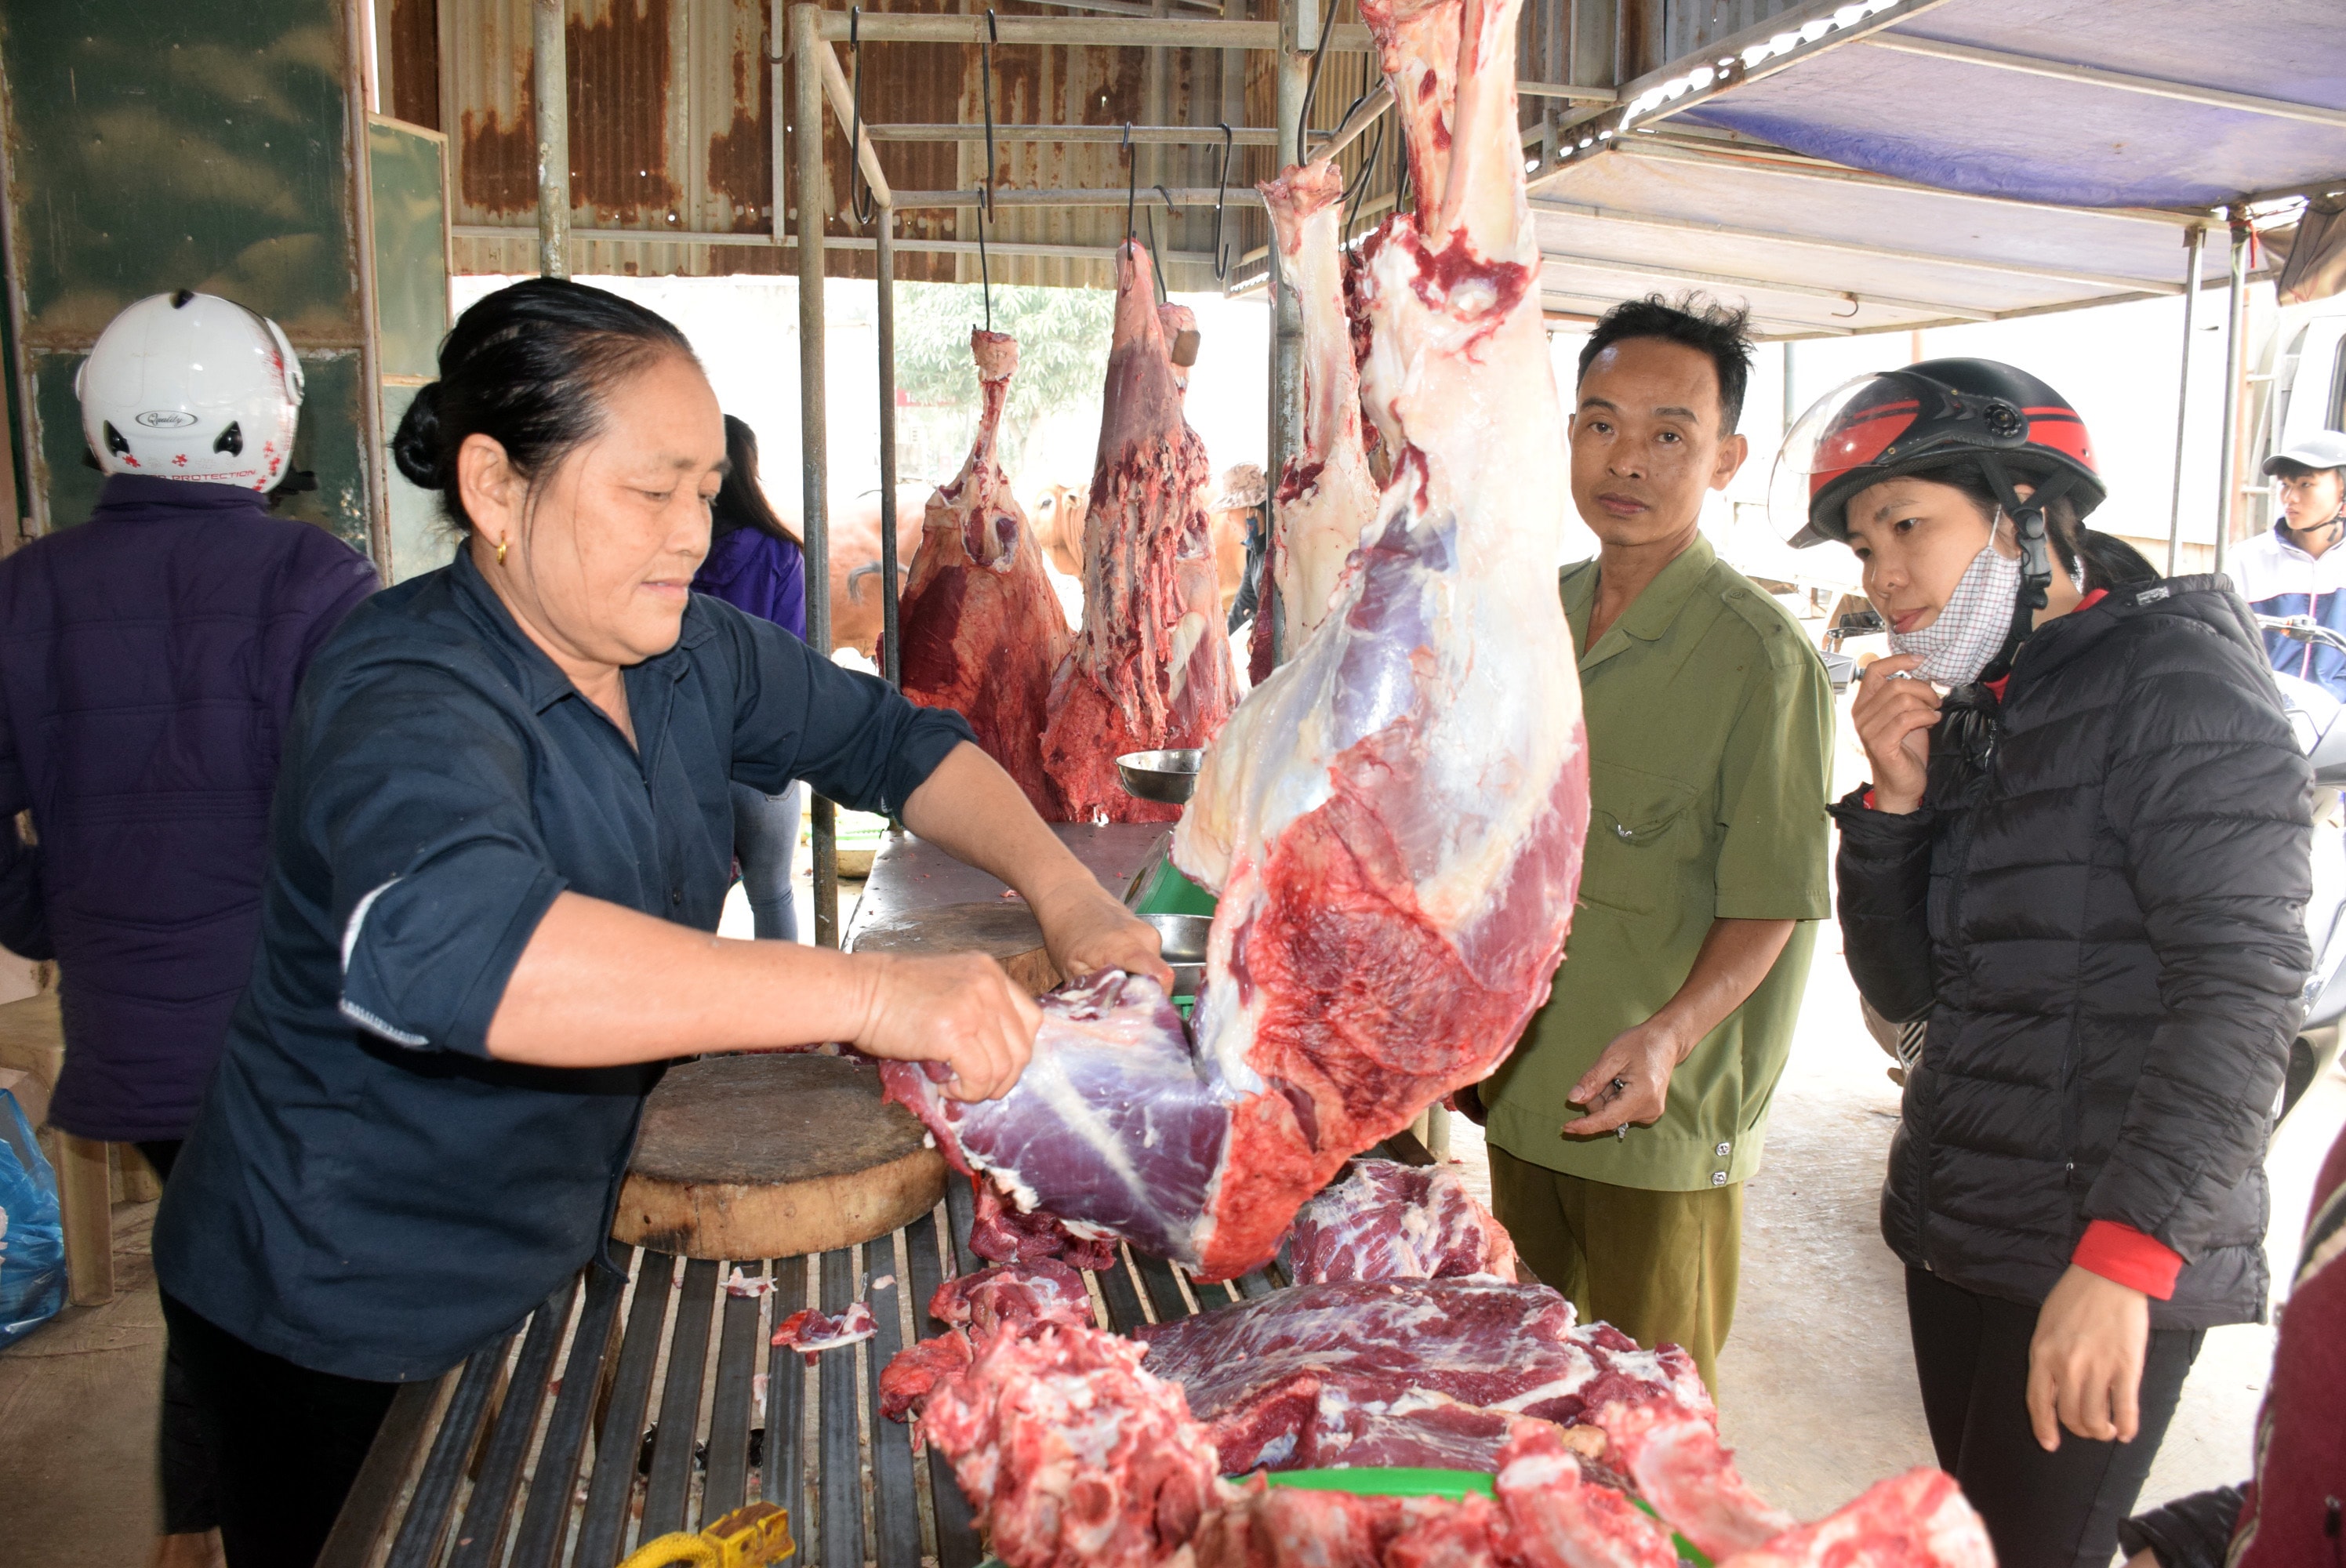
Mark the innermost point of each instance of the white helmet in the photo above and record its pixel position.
(191, 386)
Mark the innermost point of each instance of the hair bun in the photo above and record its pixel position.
(416, 448)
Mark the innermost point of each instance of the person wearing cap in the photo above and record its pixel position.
(2083, 857)
(1244, 489)
(2295, 569)
(149, 662)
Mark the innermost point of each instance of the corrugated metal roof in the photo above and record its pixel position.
(671, 133)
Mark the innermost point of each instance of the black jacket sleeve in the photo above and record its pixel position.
(24, 920)
(2194, 1532)
(1885, 876)
(2208, 795)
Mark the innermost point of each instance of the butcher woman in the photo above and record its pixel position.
(501, 840)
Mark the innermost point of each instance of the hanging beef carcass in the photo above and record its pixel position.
(982, 632)
(1151, 668)
(1393, 820)
(1325, 495)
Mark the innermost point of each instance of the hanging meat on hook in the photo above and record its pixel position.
(1151, 668)
(982, 631)
(1393, 820)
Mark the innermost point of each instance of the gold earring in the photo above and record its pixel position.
(501, 552)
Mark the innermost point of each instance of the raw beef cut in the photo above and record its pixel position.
(1416, 1373)
(1918, 1520)
(1111, 1119)
(1016, 1298)
(1001, 1234)
(1684, 1470)
(1393, 820)
(812, 1332)
(1072, 1451)
(1071, 1456)
(1325, 495)
(1391, 1221)
(982, 629)
(1151, 668)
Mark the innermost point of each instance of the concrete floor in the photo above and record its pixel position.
(1817, 1383)
(77, 1403)
(1817, 1388)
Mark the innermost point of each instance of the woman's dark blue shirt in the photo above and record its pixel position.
(365, 1191)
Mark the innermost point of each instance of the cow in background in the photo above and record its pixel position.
(856, 614)
(1058, 518)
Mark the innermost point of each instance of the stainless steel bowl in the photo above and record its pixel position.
(1165, 776)
(1182, 939)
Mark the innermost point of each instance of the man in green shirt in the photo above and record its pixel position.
(1623, 1126)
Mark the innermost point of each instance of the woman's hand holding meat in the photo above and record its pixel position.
(958, 1009)
(1893, 719)
(1088, 930)
(2084, 1363)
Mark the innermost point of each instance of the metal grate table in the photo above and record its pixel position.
(631, 1405)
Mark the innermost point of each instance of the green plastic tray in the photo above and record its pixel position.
(1453, 1484)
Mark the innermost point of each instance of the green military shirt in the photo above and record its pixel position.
(1710, 724)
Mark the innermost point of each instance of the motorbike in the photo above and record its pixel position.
(2314, 716)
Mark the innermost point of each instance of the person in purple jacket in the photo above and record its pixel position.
(148, 660)
(755, 566)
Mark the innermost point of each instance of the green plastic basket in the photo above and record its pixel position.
(1171, 892)
(1453, 1484)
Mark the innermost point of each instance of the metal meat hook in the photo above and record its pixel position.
(1360, 182)
(985, 72)
(984, 275)
(1156, 261)
(985, 186)
(859, 196)
(1132, 180)
(1221, 197)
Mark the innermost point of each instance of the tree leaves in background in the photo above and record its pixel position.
(1063, 341)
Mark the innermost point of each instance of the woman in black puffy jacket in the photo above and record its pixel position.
(2084, 856)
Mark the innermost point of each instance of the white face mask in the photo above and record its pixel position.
(1972, 627)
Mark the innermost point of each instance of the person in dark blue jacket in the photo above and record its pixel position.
(148, 661)
(756, 566)
(498, 852)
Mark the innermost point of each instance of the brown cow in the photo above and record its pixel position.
(1058, 518)
(855, 608)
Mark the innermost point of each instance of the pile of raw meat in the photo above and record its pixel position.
(982, 630)
(1393, 820)
(1151, 668)
(1077, 1446)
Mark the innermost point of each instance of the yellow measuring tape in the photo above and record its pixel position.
(757, 1536)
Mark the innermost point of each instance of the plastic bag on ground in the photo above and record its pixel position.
(32, 1233)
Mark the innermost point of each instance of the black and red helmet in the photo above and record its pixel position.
(1879, 426)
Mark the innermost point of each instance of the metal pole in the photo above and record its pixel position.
(550, 81)
(806, 163)
(892, 648)
(1287, 337)
(2196, 243)
(2235, 331)
(370, 422)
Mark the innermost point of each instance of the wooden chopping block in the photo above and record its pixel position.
(1003, 930)
(774, 1155)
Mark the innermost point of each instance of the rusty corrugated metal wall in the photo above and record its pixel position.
(671, 133)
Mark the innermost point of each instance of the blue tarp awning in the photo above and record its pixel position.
(2036, 154)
